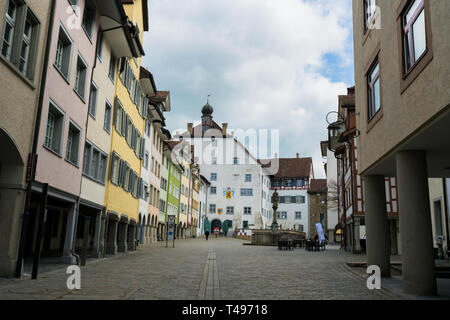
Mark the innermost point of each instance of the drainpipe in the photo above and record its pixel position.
(26, 213)
(446, 208)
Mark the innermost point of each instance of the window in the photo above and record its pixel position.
(213, 190)
(20, 49)
(100, 45)
(369, 12)
(235, 160)
(146, 160)
(299, 199)
(73, 144)
(107, 119)
(89, 18)
(245, 224)
(114, 171)
(95, 164)
(248, 178)
(54, 130)
(373, 90)
(112, 68)
(247, 210)
(213, 176)
(80, 78)
(93, 100)
(118, 116)
(414, 33)
(282, 215)
(63, 53)
(212, 208)
(230, 210)
(298, 215)
(247, 192)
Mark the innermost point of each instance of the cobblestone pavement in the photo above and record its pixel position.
(223, 267)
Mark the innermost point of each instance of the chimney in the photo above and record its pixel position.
(298, 155)
(224, 129)
(189, 127)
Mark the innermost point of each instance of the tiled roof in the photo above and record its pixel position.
(318, 186)
(292, 167)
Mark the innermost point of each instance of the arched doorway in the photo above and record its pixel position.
(11, 202)
(227, 225)
(216, 226)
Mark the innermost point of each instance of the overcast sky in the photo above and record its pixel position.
(272, 64)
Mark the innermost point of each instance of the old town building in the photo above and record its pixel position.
(22, 78)
(333, 228)
(124, 186)
(395, 66)
(317, 206)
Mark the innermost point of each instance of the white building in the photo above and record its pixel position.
(332, 196)
(292, 182)
(240, 194)
(235, 197)
(203, 203)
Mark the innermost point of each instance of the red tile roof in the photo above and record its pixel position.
(291, 167)
(318, 186)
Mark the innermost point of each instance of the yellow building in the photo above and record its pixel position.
(124, 184)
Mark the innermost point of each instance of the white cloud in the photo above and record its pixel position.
(260, 59)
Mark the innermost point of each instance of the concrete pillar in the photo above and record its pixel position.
(142, 231)
(111, 247)
(131, 237)
(97, 236)
(72, 215)
(357, 244)
(150, 234)
(377, 232)
(147, 234)
(415, 224)
(348, 237)
(11, 209)
(123, 232)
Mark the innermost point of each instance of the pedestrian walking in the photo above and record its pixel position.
(207, 227)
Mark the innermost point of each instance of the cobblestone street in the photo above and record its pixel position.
(199, 269)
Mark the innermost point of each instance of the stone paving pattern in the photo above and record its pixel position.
(244, 273)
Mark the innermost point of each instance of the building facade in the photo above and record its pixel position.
(19, 96)
(124, 186)
(397, 73)
(292, 182)
(317, 206)
(333, 228)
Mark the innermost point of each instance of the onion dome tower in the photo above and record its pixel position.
(207, 111)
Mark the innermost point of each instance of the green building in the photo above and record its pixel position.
(174, 171)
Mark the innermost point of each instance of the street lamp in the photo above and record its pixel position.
(335, 131)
